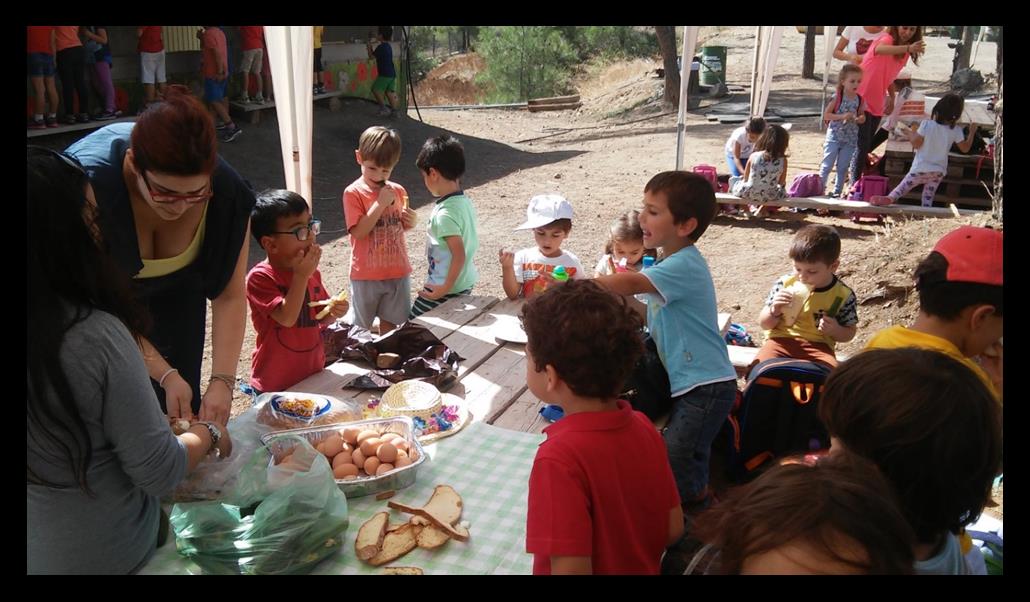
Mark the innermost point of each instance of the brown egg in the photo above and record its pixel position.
(401, 443)
(370, 445)
(350, 434)
(412, 454)
(285, 458)
(365, 435)
(347, 446)
(371, 465)
(401, 453)
(387, 452)
(402, 461)
(384, 468)
(343, 457)
(390, 436)
(332, 446)
(320, 448)
(345, 470)
(357, 458)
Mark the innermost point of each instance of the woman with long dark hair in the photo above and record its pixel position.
(99, 451)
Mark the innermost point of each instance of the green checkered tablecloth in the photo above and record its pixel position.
(488, 466)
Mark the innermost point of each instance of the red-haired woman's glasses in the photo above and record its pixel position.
(169, 197)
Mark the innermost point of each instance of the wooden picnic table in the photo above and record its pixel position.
(492, 376)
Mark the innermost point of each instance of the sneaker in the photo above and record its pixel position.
(83, 118)
(68, 119)
(243, 100)
(106, 116)
(320, 89)
(221, 127)
(383, 112)
(259, 100)
(51, 121)
(880, 200)
(232, 134)
(37, 124)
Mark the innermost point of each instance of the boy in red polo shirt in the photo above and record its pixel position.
(281, 290)
(602, 498)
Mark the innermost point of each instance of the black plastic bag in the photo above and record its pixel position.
(647, 389)
(422, 355)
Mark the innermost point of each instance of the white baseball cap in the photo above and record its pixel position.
(544, 209)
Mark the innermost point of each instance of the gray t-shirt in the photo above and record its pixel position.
(136, 459)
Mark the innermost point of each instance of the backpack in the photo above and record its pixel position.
(806, 184)
(866, 188)
(709, 173)
(836, 105)
(776, 414)
(647, 388)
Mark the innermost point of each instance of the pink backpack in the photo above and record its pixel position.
(866, 188)
(807, 184)
(709, 173)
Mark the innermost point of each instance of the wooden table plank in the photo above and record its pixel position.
(494, 385)
(454, 313)
(523, 415)
(331, 380)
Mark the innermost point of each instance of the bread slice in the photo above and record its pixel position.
(403, 570)
(446, 504)
(396, 544)
(460, 533)
(370, 536)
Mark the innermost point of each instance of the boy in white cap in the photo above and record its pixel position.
(532, 269)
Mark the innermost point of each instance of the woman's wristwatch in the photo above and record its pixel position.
(216, 436)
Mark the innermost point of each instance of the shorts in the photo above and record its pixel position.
(388, 300)
(318, 60)
(214, 90)
(152, 65)
(252, 60)
(384, 84)
(422, 305)
(41, 64)
(799, 349)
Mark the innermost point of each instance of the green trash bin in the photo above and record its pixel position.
(713, 65)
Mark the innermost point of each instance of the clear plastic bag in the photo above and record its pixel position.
(280, 519)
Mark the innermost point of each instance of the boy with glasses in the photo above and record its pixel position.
(282, 291)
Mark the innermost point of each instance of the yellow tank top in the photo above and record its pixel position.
(154, 268)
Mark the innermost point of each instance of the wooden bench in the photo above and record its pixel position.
(255, 108)
(73, 127)
(833, 204)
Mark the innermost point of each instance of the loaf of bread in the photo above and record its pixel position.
(371, 536)
(278, 419)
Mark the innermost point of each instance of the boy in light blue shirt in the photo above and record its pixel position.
(682, 317)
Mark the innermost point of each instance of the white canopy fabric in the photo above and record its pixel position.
(767, 45)
(765, 61)
(830, 37)
(290, 49)
(689, 42)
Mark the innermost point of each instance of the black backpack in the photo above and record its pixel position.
(647, 388)
(777, 414)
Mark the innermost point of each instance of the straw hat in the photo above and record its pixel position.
(435, 415)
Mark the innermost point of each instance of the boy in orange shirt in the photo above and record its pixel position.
(377, 214)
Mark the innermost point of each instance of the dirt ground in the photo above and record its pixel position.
(600, 156)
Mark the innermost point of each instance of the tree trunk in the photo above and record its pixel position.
(667, 42)
(966, 48)
(999, 163)
(808, 59)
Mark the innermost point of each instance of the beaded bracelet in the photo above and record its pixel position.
(227, 379)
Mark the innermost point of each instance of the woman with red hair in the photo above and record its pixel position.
(175, 216)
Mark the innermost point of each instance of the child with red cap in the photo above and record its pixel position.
(960, 304)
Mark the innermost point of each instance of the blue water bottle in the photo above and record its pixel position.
(648, 262)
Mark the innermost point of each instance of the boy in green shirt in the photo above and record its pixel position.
(452, 240)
